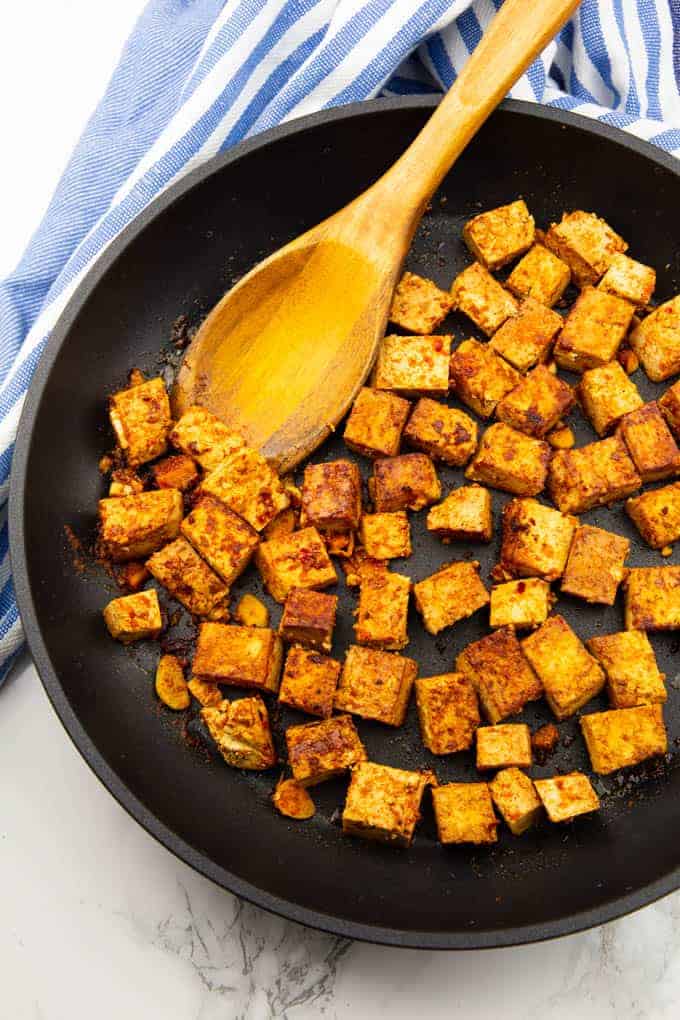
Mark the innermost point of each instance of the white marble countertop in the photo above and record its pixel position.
(97, 918)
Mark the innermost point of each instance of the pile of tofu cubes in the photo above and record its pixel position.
(194, 518)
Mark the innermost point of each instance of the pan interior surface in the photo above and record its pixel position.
(180, 261)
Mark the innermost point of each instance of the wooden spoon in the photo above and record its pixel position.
(284, 353)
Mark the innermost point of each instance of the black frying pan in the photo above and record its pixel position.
(179, 257)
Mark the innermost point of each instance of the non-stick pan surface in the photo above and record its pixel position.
(178, 259)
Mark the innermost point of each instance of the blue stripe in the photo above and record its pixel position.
(470, 30)
(441, 61)
(632, 100)
(652, 34)
(595, 47)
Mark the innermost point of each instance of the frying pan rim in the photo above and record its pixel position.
(330, 923)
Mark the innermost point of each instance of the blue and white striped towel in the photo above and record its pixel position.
(196, 76)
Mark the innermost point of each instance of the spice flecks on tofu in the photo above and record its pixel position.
(452, 593)
(656, 515)
(508, 460)
(418, 305)
(309, 681)
(386, 536)
(628, 279)
(650, 443)
(569, 674)
(652, 598)
(331, 495)
(566, 797)
(202, 435)
(606, 394)
(134, 617)
(447, 711)
(586, 243)
(501, 675)
(309, 618)
(140, 417)
(376, 684)
(225, 541)
(537, 403)
(244, 482)
(465, 515)
(376, 422)
(464, 813)
(383, 803)
(298, 560)
(595, 567)
(536, 540)
(480, 377)
(242, 733)
(624, 737)
(593, 331)
(445, 433)
(132, 527)
(188, 578)
(482, 298)
(540, 276)
(499, 236)
(515, 798)
(522, 604)
(412, 365)
(629, 663)
(656, 341)
(408, 482)
(382, 614)
(593, 475)
(504, 745)
(239, 656)
(318, 751)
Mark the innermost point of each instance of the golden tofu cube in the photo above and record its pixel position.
(242, 733)
(204, 437)
(650, 443)
(629, 663)
(321, 750)
(669, 405)
(383, 803)
(536, 540)
(179, 568)
(499, 236)
(586, 243)
(125, 482)
(246, 484)
(383, 611)
(516, 800)
(206, 693)
(223, 539)
(134, 617)
(178, 472)
(140, 417)
(593, 475)
(525, 339)
(413, 364)
(606, 394)
(537, 403)
(464, 813)
(480, 377)
(408, 482)
(448, 712)
(386, 536)
(593, 331)
(132, 527)
(566, 797)
(452, 593)
(376, 684)
(501, 675)
(630, 280)
(309, 618)
(521, 604)
(656, 341)
(540, 275)
(656, 515)
(331, 496)
(652, 598)
(418, 305)
(309, 681)
(482, 298)
(507, 459)
(499, 747)
(283, 524)
(298, 560)
(376, 422)
(239, 656)
(569, 674)
(595, 567)
(624, 736)
(465, 515)
(444, 432)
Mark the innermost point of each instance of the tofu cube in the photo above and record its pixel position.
(179, 568)
(134, 617)
(593, 475)
(375, 423)
(650, 443)
(566, 797)
(656, 341)
(331, 496)
(633, 281)
(321, 750)
(413, 364)
(383, 803)
(500, 674)
(418, 305)
(629, 663)
(480, 377)
(624, 737)
(593, 331)
(569, 674)
(606, 394)
(125, 482)
(204, 437)
(521, 604)
(408, 482)
(309, 618)
(540, 275)
(239, 656)
(309, 681)
(482, 298)
(223, 539)
(508, 460)
(383, 611)
(178, 472)
(448, 712)
(444, 432)
(536, 404)
(452, 593)
(244, 482)
(376, 685)
(656, 515)
(132, 527)
(242, 733)
(525, 339)
(386, 536)
(298, 560)
(652, 598)
(595, 567)
(140, 417)
(516, 800)
(536, 540)
(586, 243)
(464, 813)
(499, 747)
(499, 236)
(465, 515)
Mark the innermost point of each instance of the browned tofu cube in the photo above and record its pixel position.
(652, 598)
(444, 432)
(132, 527)
(669, 405)
(630, 280)
(566, 797)
(480, 378)
(593, 475)
(452, 593)
(383, 803)
(140, 417)
(501, 675)
(239, 656)
(204, 437)
(418, 305)
(464, 813)
(309, 618)
(570, 675)
(386, 536)
(134, 617)
(629, 663)
(537, 403)
(593, 331)
(242, 733)
(499, 236)
(125, 482)
(595, 567)
(321, 750)
(656, 341)
(244, 482)
(507, 459)
(650, 443)
(309, 681)
(499, 747)
(656, 515)
(223, 539)
(298, 560)
(383, 611)
(413, 364)
(178, 472)
(179, 568)
(540, 275)
(376, 422)
(606, 394)
(331, 495)
(376, 684)
(586, 243)
(536, 540)
(515, 797)
(465, 515)
(482, 298)
(624, 736)
(339, 543)
(525, 339)
(408, 482)
(447, 711)
(521, 604)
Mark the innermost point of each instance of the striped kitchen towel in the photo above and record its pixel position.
(196, 76)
